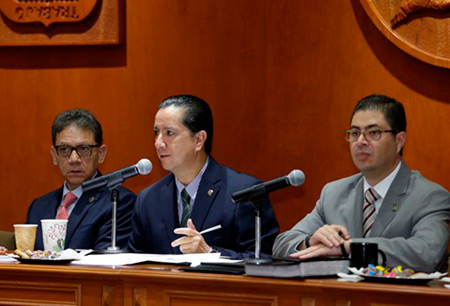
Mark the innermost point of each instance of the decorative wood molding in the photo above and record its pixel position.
(61, 22)
(180, 297)
(423, 35)
(32, 293)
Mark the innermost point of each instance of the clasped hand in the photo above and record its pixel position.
(192, 242)
(326, 241)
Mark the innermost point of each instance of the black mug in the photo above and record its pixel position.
(363, 254)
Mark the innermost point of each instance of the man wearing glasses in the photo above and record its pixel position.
(77, 150)
(386, 203)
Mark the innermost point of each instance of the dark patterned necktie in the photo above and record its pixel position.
(369, 212)
(185, 200)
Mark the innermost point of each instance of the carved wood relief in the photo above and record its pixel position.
(60, 22)
(419, 27)
(406, 7)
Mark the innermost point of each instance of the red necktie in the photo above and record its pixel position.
(369, 212)
(63, 213)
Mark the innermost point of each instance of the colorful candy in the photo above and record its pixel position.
(38, 254)
(381, 271)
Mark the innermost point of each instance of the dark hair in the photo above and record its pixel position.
(393, 110)
(82, 118)
(197, 117)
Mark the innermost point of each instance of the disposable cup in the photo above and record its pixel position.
(54, 234)
(25, 235)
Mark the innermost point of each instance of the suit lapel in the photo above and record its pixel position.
(358, 209)
(80, 210)
(393, 201)
(55, 203)
(169, 210)
(206, 194)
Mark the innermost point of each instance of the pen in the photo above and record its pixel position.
(211, 229)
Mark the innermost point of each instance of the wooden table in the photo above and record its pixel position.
(22, 284)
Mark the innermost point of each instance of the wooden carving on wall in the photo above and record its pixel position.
(47, 11)
(60, 22)
(421, 28)
(408, 6)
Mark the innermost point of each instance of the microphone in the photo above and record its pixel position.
(295, 178)
(143, 167)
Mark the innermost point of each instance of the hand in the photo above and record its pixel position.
(3, 250)
(330, 236)
(193, 242)
(319, 250)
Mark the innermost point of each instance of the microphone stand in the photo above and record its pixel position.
(258, 195)
(114, 186)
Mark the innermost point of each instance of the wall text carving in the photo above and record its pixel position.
(47, 11)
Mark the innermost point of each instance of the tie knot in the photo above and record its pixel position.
(69, 198)
(371, 195)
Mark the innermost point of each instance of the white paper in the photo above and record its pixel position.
(134, 258)
(5, 258)
(344, 277)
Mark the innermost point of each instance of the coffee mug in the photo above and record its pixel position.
(363, 254)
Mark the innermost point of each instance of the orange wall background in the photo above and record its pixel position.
(281, 76)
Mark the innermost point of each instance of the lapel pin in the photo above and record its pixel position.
(394, 207)
(91, 199)
(210, 192)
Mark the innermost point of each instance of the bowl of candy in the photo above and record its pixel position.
(397, 275)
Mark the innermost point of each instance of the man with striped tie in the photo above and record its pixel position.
(386, 203)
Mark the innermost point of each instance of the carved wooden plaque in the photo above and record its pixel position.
(60, 22)
(421, 28)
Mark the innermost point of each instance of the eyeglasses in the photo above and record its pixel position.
(372, 134)
(82, 150)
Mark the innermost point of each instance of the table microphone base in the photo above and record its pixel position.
(110, 250)
(258, 261)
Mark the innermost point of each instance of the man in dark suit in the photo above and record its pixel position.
(170, 214)
(77, 150)
(386, 203)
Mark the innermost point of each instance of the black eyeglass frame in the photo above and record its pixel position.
(76, 149)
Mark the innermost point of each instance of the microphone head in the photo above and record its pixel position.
(144, 166)
(296, 177)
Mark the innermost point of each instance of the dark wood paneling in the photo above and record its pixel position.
(282, 77)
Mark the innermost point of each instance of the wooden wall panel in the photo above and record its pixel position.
(282, 77)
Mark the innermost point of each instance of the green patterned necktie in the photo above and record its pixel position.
(185, 200)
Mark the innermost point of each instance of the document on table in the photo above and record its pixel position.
(5, 258)
(135, 258)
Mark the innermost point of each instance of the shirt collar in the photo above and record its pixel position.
(77, 191)
(192, 187)
(382, 187)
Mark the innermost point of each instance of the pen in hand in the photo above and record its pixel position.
(210, 229)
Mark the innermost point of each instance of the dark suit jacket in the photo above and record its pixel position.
(89, 225)
(411, 226)
(156, 215)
